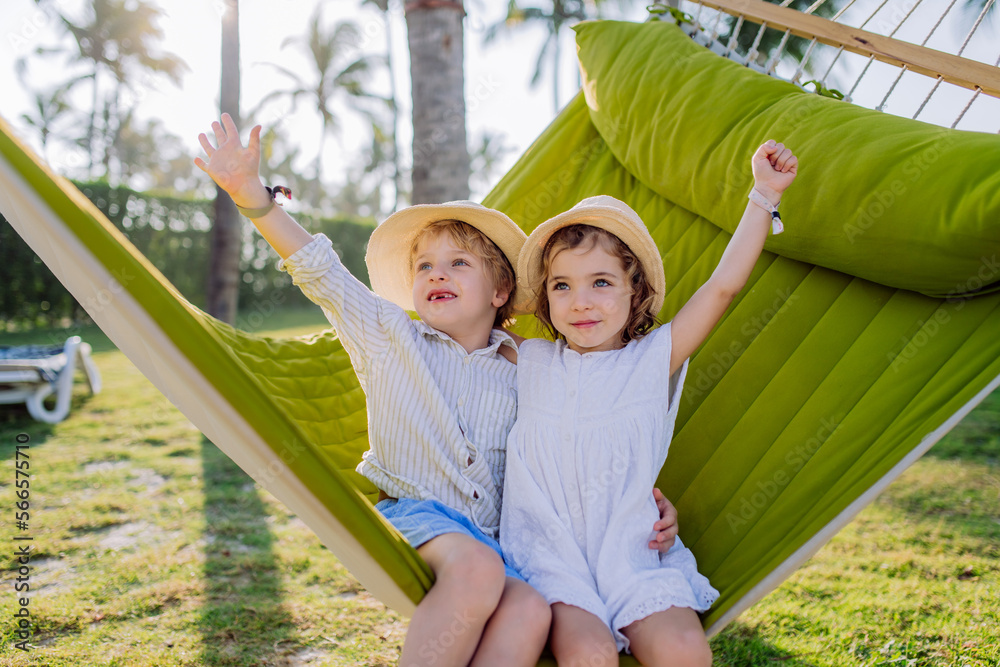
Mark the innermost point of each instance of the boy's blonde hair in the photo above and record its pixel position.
(641, 317)
(496, 265)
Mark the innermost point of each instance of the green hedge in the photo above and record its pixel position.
(174, 234)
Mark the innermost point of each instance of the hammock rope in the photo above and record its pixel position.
(978, 76)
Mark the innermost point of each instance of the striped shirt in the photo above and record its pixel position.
(438, 417)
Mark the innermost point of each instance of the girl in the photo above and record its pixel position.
(595, 419)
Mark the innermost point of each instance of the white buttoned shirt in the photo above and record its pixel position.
(438, 417)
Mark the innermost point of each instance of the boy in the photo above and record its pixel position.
(441, 397)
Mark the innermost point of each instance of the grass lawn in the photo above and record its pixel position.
(150, 547)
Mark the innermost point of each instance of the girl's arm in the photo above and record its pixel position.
(235, 169)
(774, 169)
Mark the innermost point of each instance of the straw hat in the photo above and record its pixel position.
(388, 255)
(606, 213)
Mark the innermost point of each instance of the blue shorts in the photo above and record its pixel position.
(420, 521)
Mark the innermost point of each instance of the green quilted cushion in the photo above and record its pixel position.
(895, 201)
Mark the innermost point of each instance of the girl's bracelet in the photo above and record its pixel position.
(261, 211)
(759, 199)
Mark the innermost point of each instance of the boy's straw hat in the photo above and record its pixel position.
(606, 213)
(388, 255)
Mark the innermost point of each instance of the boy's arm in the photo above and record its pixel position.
(350, 306)
(774, 169)
(235, 169)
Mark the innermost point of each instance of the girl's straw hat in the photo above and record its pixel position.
(606, 213)
(388, 255)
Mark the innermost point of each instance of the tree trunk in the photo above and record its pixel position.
(440, 149)
(227, 234)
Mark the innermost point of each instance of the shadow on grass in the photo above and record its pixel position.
(14, 417)
(976, 438)
(741, 645)
(16, 424)
(243, 621)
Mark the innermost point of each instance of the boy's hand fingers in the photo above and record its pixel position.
(254, 143)
(220, 134)
(230, 125)
(198, 162)
(206, 144)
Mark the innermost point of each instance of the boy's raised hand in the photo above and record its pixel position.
(232, 166)
(774, 169)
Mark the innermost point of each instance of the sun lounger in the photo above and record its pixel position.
(31, 373)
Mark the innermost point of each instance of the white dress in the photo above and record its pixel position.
(591, 435)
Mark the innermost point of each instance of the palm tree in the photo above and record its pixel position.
(115, 37)
(440, 153)
(384, 6)
(48, 109)
(561, 14)
(489, 152)
(327, 50)
(222, 291)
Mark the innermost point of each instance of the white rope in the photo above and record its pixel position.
(872, 58)
(937, 83)
(905, 68)
(715, 28)
(973, 99)
(840, 50)
(697, 16)
(908, 14)
(929, 96)
(881, 105)
(733, 41)
(946, 12)
(967, 105)
(982, 15)
(884, 2)
(841, 12)
(773, 62)
(752, 53)
(968, 37)
(805, 59)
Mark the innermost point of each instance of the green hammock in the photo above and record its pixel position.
(846, 357)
